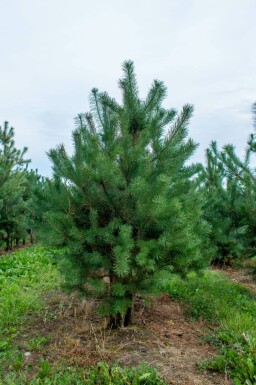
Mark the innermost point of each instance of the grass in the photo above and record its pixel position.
(231, 309)
(26, 276)
(100, 374)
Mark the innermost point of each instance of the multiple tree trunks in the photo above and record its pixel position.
(11, 241)
(121, 320)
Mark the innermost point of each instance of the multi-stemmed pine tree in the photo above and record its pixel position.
(126, 203)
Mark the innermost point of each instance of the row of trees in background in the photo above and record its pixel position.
(229, 183)
(129, 207)
(19, 193)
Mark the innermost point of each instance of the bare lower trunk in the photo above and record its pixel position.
(31, 236)
(8, 244)
(121, 320)
(115, 322)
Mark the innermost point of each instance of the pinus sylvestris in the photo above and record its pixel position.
(14, 196)
(126, 203)
(230, 186)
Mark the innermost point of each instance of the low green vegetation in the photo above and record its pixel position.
(231, 308)
(28, 274)
(100, 374)
(25, 277)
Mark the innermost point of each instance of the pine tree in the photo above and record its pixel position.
(126, 203)
(13, 207)
(230, 185)
(252, 137)
(223, 200)
(35, 198)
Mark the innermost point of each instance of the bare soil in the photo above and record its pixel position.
(160, 336)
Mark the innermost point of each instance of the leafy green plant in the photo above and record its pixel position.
(45, 369)
(4, 345)
(37, 343)
(18, 363)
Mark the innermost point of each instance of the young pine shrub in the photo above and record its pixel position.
(126, 203)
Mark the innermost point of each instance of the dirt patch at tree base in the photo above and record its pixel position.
(159, 336)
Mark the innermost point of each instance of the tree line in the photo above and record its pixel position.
(127, 206)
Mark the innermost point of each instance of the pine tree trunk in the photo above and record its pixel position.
(115, 322)
(128, 317)
(7, 243)
(31, 236)
(121, 320)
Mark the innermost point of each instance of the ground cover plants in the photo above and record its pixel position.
(231, 309)
(27, 276)
(24, 276)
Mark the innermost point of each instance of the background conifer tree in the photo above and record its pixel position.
(222, 209)
(126, 203)
(13, 186)
(230, 185)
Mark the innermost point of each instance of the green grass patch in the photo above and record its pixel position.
(232, 309)
(25, 277)
(101, 374)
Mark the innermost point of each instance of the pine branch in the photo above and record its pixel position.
(180, 124)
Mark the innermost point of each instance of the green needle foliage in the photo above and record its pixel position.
(126, 202)
(230, 186)
(13, 188)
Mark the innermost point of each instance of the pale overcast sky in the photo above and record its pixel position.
(54, 51)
